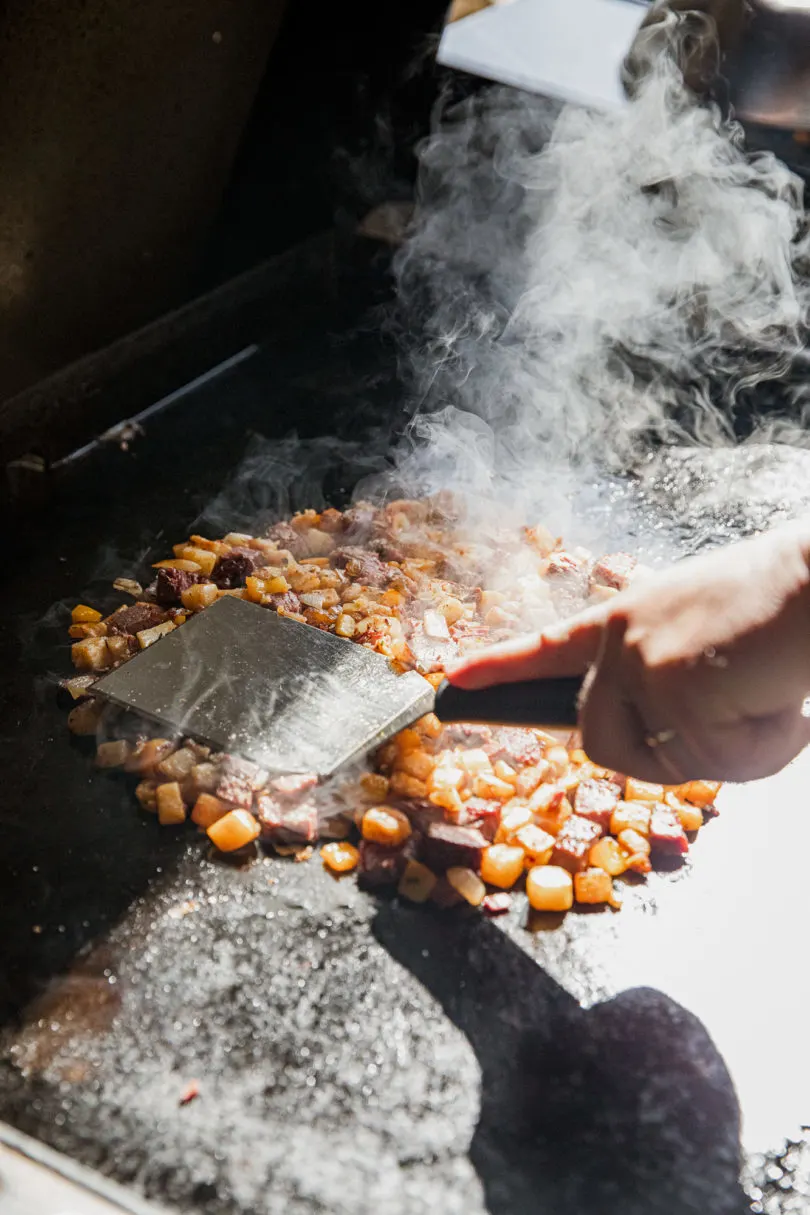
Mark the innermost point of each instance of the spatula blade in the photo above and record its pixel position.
(287, 696)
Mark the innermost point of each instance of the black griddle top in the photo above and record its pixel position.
(356, 1055)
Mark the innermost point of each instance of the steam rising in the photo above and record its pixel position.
(589, 285)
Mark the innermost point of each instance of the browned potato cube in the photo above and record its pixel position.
(536, 843)
(170, 806)
(91, 654)
(607, 854)
(550, 888)
(631, 816)
(502, 865)
(594, 886)
(642, 791)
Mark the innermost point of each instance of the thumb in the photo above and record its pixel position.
(567, 648)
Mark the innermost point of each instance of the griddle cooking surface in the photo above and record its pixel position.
(354, 1055)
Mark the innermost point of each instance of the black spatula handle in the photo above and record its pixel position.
(540, 702)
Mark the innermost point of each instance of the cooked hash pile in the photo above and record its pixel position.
(455, 814)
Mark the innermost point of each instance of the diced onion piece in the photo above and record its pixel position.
(701, 793)
(170, 805)
(445, 777)
(452, 609)
(550, 888)
(468, 884)
(148, 637)
(128, 586)
(340, 856)
(208, 810)
(607, 854)
(690, 817)
(187, 567)
(417, 882)
(449, 800)
(313, 599)
(384, 825)
(536, 843)
(474, 761)
(234, 831)
(199, 596)
(631, 816)
(594, 886)
(436, 626)
(514, 818)
(502, 865)
(642, 791)
(82, 614)
(113, 754)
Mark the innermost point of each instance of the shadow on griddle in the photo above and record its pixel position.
(623, 1108)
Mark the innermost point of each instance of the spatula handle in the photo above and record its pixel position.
(539, 702)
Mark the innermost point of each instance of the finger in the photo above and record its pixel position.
(757, 747)
(564, 649)
(614, 735)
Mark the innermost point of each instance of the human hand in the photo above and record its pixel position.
(698, 672)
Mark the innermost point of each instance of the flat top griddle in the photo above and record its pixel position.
(355, 1055)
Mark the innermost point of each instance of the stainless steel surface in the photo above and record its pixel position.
(285, 695)
(37, 1181)
(769, 73)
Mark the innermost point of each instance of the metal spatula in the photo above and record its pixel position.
(294, 699)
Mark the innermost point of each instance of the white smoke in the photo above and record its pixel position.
(580, 287)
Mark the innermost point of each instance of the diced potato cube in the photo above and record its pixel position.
(486, 785)
(417, 882)
(170, 805)
(83, 719)
(407, 786)
(208, 810)
(550, 888)
(82, 614)
(340, 856)
(204, 559)
(113, 754)
(449, 800)
(91, 654)
(642, 791)
(631, 816)
(594, 886)
(234, 831)
(632, 842)
(178, 765)
(118, 648)
(276, 586)
(78, 632)
(690, 817)
(468, 884)
(345, 625)
(408, 740)
(474, 761)
(254, 589)
(452, 609)
(374, 785)
(205, 777)
(446, 777)
(148, 637)
(199, 596)
(146, 757)
(607, 854)
(384, 825)
(502, 865)
(557, 759)
(514, 818)
(505, 772)
(530, 778)
(417, 763)
(536, 843)
(146, 793)
(556, 816)
(701, 793)
(319, 543)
